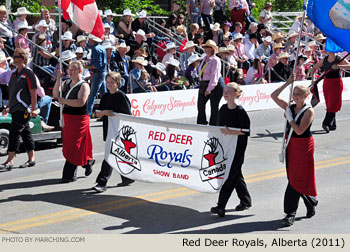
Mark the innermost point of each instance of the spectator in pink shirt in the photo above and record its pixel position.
(239, 54)
(211, 84)
(21, 42)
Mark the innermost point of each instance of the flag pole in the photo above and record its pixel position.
(60, 58)
(292, 84)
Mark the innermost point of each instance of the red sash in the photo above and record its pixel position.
(332, 90)
(77, 143)
(300, 165)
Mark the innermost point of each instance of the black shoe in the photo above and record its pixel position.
(98, 188)
(65, 181)
(6, 166)
(126, 182)
(288, 220)
(27, 164)
(332, 128)
(242, 207)
(311, 210)
(325, 127)
(218, 210)
(88, 167)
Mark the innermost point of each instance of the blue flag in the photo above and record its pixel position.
(332, 17)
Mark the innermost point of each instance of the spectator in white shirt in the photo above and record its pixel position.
(250, 46)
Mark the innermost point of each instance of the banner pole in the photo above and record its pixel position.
(292, 84)
(60, 52)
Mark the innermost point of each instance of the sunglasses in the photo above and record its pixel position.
(17, 57)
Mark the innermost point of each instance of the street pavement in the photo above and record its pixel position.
(32, 201)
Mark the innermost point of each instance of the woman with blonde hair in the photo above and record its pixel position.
(76, 137)
(233, 115)
(299, 153)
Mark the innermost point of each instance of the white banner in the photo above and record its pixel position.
(195, 156)
(172, 105)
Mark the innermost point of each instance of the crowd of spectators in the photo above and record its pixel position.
(158, 55)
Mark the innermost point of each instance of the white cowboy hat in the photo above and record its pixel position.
(67, 55)
(312, 43)
(101, 13)
(230, 48)
(292, 34)
(212, 44)
(106, 26)
(3, 57)
(109, 13)
(161, 67)
(215, 27)
(252, 24)
(42, 23)
(81, 38)
(123, 45)
(3, 9)
(23, 25)
(173, 62)
(189, 44)
(22, 11)
(141, 33)
(267, 39)
(222, 49)
(307, 49)
(142, 14)
(94, 38)
(107, 44)
(277, 45)
(67, 36)
(277, 35)
(320, 37)
(79, 50)
(237, 36)
(127, 12)
(283, 55)
(170, 45)
(140, 60)
(193, 58)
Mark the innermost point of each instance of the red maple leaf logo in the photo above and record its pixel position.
(128, 145)
(211, 158)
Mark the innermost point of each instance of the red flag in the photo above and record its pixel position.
(84, 13)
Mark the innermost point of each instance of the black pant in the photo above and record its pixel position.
(236, 181)
(329, 120)
(291, 200)
(215, 97)
(20, 127)
(70, 170)
(105, 174)
(207, 19)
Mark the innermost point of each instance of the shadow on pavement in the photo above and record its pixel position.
(144, 216)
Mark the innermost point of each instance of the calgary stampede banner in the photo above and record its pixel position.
(194, 156)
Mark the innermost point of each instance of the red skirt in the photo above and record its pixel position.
(77, 143)
(332, 90)
(238, 16)
(300, 165)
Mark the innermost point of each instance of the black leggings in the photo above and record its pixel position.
(236, 181)
(20, 127)
(291, 200)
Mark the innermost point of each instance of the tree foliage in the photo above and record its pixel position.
(279, 6)
(133, 5)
